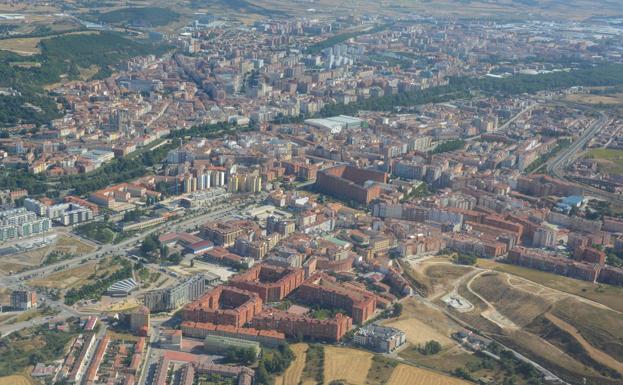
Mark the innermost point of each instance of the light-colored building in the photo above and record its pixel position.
(21, 223)
(380, 338)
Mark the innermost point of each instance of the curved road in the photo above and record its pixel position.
(556, 166)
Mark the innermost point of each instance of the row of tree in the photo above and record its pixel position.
(96, 289)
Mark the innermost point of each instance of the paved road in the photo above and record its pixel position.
(569, 154)
(223, 210)
(108, 249)
(556, 166)
(508, 122)
(64, 312)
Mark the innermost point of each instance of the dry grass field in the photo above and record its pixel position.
(441, 275)
(434, 276)
(346, 364)
(15, 380)
(422, 323)
(543, 350)
(567, 334)
(75, 277)
(601, 328)
(605, 294)
(73, 245)
(64, 244)
(22, 45)
(380, 371)
(596, 354)
(408, 375)
(445, 361)
(293, 374)
(28, 45)
(613, 99)
(66, 279)
(519, 306)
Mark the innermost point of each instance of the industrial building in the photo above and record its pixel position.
(200, 247)
(336, 124)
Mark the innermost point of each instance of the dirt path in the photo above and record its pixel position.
(292, 375)
(491, 314)
(454, 284)
(595, 353)
(563, 294)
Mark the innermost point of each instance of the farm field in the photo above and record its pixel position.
(407, 375)
(15, 380)
(293, 374)
(346, 364)
(354, 367)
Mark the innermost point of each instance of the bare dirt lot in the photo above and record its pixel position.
(64, 245)
(76, 277)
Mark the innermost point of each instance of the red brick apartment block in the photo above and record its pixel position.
(296, 325)
(324, 290)
(347, 183)
(224, 305)
(272, 283)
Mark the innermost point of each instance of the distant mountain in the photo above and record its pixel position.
(575, 9)
(240, 6)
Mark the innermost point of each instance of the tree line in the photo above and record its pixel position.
(61, 55)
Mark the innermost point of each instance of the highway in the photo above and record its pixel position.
(569, 154)
(223, 210)
(555, 167)
(16, 280)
